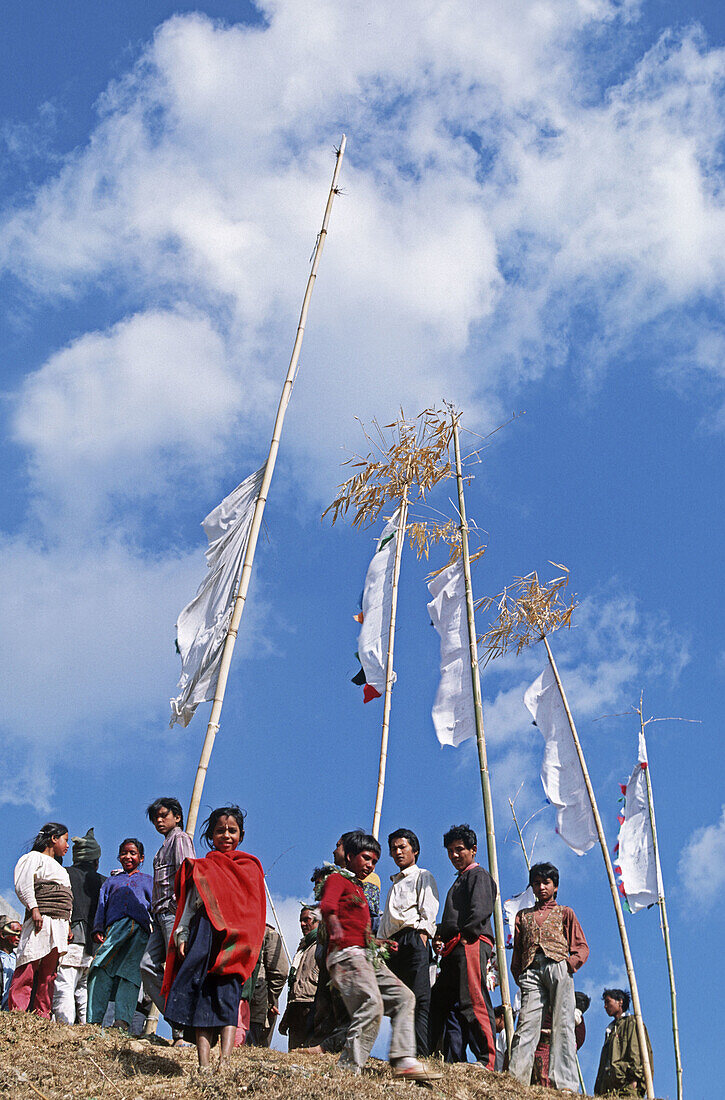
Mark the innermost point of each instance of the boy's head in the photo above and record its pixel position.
(499, 1017)
(165, 814)
(362, 852)
(544, 881)
(338, 852)
(461, 844)
(616, 1001)
(404, 848)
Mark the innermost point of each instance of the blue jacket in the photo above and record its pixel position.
(124, 895)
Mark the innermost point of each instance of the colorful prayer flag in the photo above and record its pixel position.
(453, 712)
(561, 772)
(202, 626)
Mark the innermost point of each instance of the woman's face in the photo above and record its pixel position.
(60, 845)
(130, 858)
(227, 835)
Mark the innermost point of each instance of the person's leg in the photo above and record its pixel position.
(64, 1001)
(411, 963)
(562, 1056)
(353, 975)
(152, 964)
(399, 1005)
(204, 1039)
(443, 998)
(21, 987)
(226, 1042)
(454, 1038)
(100, 987)
(81, 994)
(126, 1001)
(45, 984)
(475, 1002)
(533, 1004)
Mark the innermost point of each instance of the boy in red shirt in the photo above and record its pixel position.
(369, 990)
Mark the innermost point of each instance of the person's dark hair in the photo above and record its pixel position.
(172, 804)
(498, 1012)
(618, 995)
(582, 1001)
(355, 843)
(463, 833)
(542, 871)
(318, 874)
(348, 834)
(405, 834)
(48, 833)
(314, 909)
(223, 811)
(131, 840)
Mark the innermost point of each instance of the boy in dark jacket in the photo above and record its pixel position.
(460, 994)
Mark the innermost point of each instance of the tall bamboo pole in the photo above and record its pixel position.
(629, 964)
(663, 908)
(389, 674)
(481, 741)
(246, 574)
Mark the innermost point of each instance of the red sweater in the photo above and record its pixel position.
(344, 898)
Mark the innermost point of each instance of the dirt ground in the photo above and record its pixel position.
(42, 1059)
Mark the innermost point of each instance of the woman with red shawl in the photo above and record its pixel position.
(217, 937)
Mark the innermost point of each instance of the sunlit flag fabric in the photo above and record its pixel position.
(514, 905)
(561, 772)
(453, 713)
(640, 876)
(202, 625)
(372, 642)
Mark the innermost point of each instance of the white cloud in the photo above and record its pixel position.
(702, 864)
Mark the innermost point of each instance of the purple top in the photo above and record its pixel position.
(124, 895)
(177, 847)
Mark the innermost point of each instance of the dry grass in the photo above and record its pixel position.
(526, 612)
(51, 1061)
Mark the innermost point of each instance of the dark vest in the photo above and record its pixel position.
(549, 938)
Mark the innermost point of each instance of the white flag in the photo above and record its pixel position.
(453, 714)
(561, 772)
(202, 625)
(372, 642)
(514, 905)
(641, 876)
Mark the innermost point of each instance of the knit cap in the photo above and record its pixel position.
(86, 848)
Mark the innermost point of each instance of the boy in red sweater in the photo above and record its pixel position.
(368, 989)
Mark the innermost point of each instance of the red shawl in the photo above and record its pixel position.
(231, 887)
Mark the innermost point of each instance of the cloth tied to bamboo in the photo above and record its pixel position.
(202, 626)
(54, 900)
(453, 711)
(377, 603)
(641, 875)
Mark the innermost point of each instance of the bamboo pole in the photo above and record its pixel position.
(481, 741)
(389, 675)
(663, 908)
(276, 921)
(629, 964)
(256, 525)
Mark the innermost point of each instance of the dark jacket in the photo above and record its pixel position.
(86, 883)
(469, 905)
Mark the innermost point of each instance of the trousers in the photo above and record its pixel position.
(411, 963)
(154, 960)
(369, 993)
(461, 1007)
(70, 996)
(103, 988)
(546, 985)
(31, 989)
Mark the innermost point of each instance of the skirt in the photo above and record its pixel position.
(198, 998)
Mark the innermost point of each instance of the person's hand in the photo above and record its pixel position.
(273, 1010)
(335, 932)
(37, 917)
(423, 936)
(181, 949)
(392, 945)
(70, 935)
(282, 1026)
(98, 937)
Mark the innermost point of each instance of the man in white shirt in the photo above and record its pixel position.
(409, 923)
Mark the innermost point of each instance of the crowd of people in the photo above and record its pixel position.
(192, 940)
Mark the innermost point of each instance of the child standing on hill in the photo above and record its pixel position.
(549, 947)
(368, 988)
(217, 937)
(121, 927)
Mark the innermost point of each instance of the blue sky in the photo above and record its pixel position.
(532, 220)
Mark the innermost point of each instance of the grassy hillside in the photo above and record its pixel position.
(50, 1061)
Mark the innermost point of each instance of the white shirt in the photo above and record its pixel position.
(32, 868)
(412, 902)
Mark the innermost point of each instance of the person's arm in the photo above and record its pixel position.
(516, 953)
(428, 903)
(329, 908)
(578, 946)
(181, 932)
(99, 921)
(25, 885)
(277, 969)
(481, 896)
